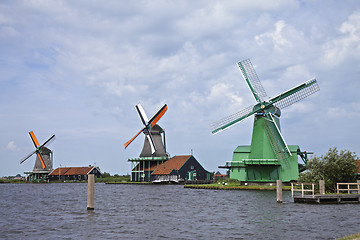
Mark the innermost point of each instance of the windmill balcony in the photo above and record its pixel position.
(245, 162)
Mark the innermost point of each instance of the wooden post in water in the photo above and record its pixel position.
(279, 191)
(322, 187)
(91, 191)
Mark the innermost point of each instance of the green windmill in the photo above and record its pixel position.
(268, 158)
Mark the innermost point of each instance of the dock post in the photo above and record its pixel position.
(279, 191)
(322, 187)
(358, 187)
(91, 191)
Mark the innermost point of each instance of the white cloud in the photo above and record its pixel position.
(11, 146)
(347, 45)
(71, 66)
(276, 36)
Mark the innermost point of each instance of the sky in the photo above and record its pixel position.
(76, 69)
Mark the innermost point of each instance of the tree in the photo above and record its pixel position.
(334, 167)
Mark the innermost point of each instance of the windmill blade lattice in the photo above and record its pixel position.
(226, 122)
(248, 72)
(306, 89)
(276, 139)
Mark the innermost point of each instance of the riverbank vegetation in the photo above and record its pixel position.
(334, 167)
(107, 178)
(351, 237)
(4, 180)
(233, 184)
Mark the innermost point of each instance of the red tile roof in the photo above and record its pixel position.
(60, 171)
(174, 163)
(71, 171)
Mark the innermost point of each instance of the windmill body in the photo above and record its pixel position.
(158, 134)
(268, 158)
(44, 159)
(47, 156)
(154, 148)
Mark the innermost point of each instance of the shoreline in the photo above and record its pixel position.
(232, 187)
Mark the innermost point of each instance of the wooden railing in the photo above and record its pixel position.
(303, 189)
(348, 189)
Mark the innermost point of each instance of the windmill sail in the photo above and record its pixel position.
(158, 115)
(151, 142)
(130, 141)
(143, 117)
(276, 139)
(229, 121)
(148, 124)
(295, 94)
(27, 157)
(248, 72)
(43, 159)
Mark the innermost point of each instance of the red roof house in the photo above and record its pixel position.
(73, 173)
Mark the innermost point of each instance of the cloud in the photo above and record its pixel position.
(11, 146)
(276, 36)
(347, 44)
(77, 68)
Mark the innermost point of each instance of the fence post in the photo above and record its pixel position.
(322, 187)
(313, 189)
(279, 191)
(302, 189)
(91, 191)
(358, 186)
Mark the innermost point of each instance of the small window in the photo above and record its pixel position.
(192, 167)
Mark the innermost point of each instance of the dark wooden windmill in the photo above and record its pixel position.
(154, 148)
(44, 158)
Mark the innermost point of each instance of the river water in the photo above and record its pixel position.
(58, 210)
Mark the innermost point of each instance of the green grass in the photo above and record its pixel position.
(232, 184)
(12, 181)
(351, 237)
(113, 179)
(109, 179)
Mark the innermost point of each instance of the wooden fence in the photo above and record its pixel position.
(349, 189)
(303, 189)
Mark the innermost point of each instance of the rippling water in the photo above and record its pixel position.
(47, 211)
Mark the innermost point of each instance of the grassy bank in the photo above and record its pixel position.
(216, 186)
(128, 182)
(113, 179)
(108, 179)
(232, 184)
(12, 181)
(351, 237)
